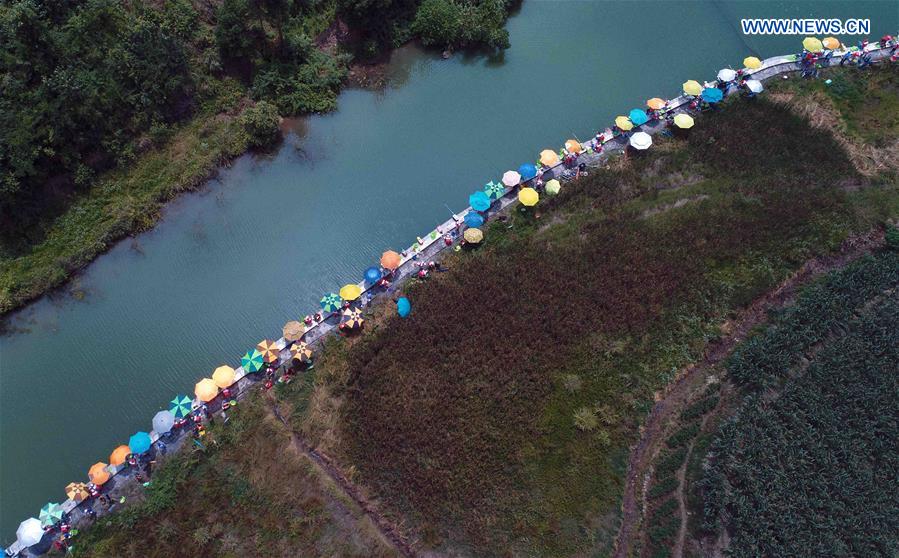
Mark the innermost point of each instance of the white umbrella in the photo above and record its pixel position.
(511, 178)
(727, 74)
(754, 85)
(641, 141)
(163, 421)
(29, 532)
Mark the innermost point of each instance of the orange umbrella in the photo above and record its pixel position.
(98, 473)
(573, 146)
(269, 351)
(390, 260)
(655, 103)
(206, 390)
(223, 376)
(548, 158)
(119, 455)
(831, 43)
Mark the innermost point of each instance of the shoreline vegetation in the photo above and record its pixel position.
(98, 135)
(497, 418)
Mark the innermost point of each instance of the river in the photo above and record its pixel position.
(259, 245)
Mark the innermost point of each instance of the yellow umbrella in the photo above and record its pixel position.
(548, 158)
(223, 376)
(390, 260)
(119, 455)
(655, 103)
(293, 330)
(77, 491)
(98, 473)
(831, 43)
(573, 146)
(350, 292)
(683, 121)
(528, 197)
(269, 350)
(206, 390)
(623, 123)
(812, 44)
(473, 235)
(692, 87)
(301, 352)
(752, 63)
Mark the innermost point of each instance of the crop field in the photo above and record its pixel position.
(808, 464)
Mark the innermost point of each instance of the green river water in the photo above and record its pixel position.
(229, 264)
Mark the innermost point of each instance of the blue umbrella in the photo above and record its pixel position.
(373, 274)
(479, 201)
(139, 442)
(638, 116)
(712, 94)
(472, 219)
(527, 171)
(403, 307)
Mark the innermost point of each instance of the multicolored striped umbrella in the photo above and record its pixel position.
(494, 190)
(180, 406)
(51, 514)
(77, 492)
(352, 318)
(269, 351)
(301, 352)
(252, 361)
(331, 302)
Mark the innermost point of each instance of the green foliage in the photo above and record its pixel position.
(309, 87)
(683, 436)
(662, 487)
(670, 462)
(261, 123)
(892, 238)
(699, 408)
(585, 419)
(445, 23)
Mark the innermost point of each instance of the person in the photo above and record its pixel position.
(89, 512)
(226, 393)
(582, 169)
(160, 445)
(224, 417)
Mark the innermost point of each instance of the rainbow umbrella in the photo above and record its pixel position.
(655, 103)
(51, 514)
(77, 492)
(494, 190)
(528, 197)
(474, 236)
(180, 406)
(351, 291)
(553, 187)
(269, 350)
(472, 219)
(712, 94)
(683, 121)
(692, 87)
(527, 171)
(812, 44)
(331, 302)
(638, 116)
(623, 123)
(139, 442)
(752, 63)
(511, 178)
(479, 201)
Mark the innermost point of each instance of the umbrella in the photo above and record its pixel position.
(831, 43)
(641, 141)
(301, 352)
(511, 178)
(812, 44)
(479, 201)
(372, 274)
(472, 219)
(98, 474)
(292, 331)
(180, 406)
(139, 442)
(252, 361)
(752, 63)
(206, 390)
(655, 103)
(30, 532)
(119, 455)
(403, 307)
(223, 376)
(527, 171)
(755, 85)
(352, 318)
(548, 158)
(390, 260)
(573, 146)
(77, 492)
(331, 302)
(683, 121)
(494, 190)
(727, 74)
(269, 350)
(638, 116)
(51, 514)
(350, 292)
(692, 87)
(623, 123)
(553, 187)
(163, 421)
(528, 197)
(474, 236)
(712, 94)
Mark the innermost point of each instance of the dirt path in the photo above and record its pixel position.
(677, 394)
(391, 533)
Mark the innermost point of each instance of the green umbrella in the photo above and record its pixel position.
(51, 514)
(494, 190)
(331, 302)
(252, 361)
(180, 406)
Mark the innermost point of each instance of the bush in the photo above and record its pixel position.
(699, 408)
(448, 23)
(892, 238)
(671, 462)
(261, 123)
(662, 487)
(683, 436)
(585, 419)
(438, 23)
